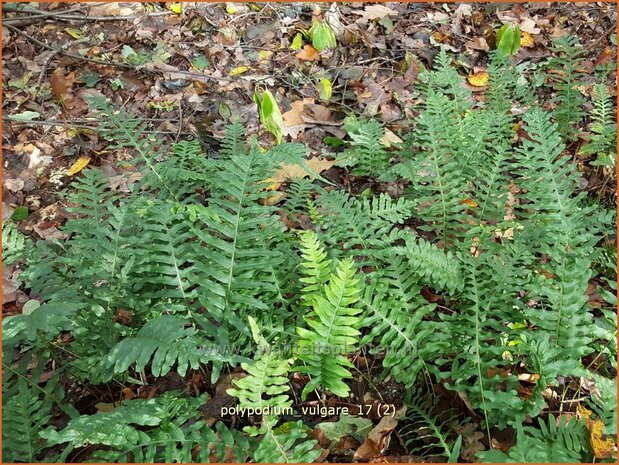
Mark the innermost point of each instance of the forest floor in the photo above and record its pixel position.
(189, 69)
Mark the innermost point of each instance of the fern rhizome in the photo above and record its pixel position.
(471, 285)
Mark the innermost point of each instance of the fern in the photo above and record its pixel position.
(166, 341)
(233, 142)
(46, 321)
(603, 140)
(333, 332)
(367, 155)
(432, 265)
(24, 414)
(168, 432)
(557, 220)
(402, 331)
(297, 195)
(565, 442)
(357, 226)
(287, 444)
(15, 246)
(127, 131)
(428, 161)
(424, 433)
(566, 74)
(242, 245)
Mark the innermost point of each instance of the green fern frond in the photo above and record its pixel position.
(333, 332)
(233, 142)
(431, 264)
(164, 429)
(164, 341)
(565, 442)
(267, 375)
(603, 140)
(297, 195)
(402, 331)
(15, 246)
(358, 226)
(317, 267)
(564, 70)
(127, 131)
(24, 414)
(163, 259)
(423, 433)
(368, 155)
(287, 444)
(430, 162)
(48, 321)
(242, 246)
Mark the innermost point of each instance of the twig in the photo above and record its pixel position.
(601, 38)
(70, 124)
(62, 16)
(67, 54)
(180, 122)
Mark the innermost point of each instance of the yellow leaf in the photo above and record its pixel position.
(73, 32)
(105, 407)
(469, 203)
(274, 199)
(526, 40)
(602, 448)
(79, 165)
(176, 8)
(238, 70)
(478, 79)
(264, 55)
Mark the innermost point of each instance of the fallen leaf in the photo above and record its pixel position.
(60, 83)
(105, 407)
(74, 32)
(469, 203)
(377, 442)
(472, 439)
(291, 171)
(478, 79)
(308, 53)
(78, 166)
(528, 25)
(605, 57)
(478, 43)
(373, 12)
(175, 7)
(14, 185)
(602, 448)
(123, 317)
(526, 40)
(9, 285)
(390, 139)
(528, 377)
(25, 116)
(238, 70)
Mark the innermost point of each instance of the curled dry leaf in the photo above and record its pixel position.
(308, 53)
(377, 442)
(291, 171)
(479, 79)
